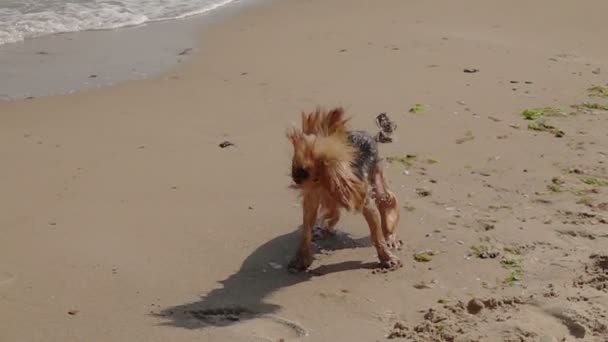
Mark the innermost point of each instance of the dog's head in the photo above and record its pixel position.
(322, 158)
(304, 168)
(319, 144)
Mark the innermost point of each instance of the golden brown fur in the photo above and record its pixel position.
(322, 169)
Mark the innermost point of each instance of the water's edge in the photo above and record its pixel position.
(34, 20)
(71, 62)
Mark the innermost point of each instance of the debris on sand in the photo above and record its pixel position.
(594, 181)
(422, 192)
(406, 161)
(474, 306)
(225, 144)
(484, 252)
(470, 70)
(387, 128)
(598, 91)
(417, 108)
(594, 105)
(516, 271)
(184, 52)
(581, 218)
(424, 285)
(424, 256)
(541, 126)
(537, 113)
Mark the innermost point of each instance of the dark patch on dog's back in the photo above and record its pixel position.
(366, 157)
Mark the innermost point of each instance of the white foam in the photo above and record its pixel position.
(21, 20)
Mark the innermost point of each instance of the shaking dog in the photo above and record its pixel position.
(334, 169)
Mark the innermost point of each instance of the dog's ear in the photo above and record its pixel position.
(311, 121)
(295, 136)
(335, 121)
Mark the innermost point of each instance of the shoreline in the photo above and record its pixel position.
(72, 62)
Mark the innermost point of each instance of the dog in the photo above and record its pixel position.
(334, 168)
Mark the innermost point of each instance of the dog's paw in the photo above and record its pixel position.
(393, 242)
(320, 233)
(299, 263)
(390, 262)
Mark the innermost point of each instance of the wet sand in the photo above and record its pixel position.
(123, 220)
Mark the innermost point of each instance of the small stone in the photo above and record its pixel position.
(423, 192)
(225, 144)
(474, 306)
(73, 312)
(184, 52)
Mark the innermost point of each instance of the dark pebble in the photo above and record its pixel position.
(225, 144)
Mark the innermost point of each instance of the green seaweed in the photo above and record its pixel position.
(598, 91)
(594, 181)
(541, 126)
(417, 108)
(554, 188)
(425, 256)
(405, 161)
(536, 113)
(516, 271)
(599, 106)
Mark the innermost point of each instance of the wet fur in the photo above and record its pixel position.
(334, 169)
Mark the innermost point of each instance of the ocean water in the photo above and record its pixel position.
(23, 19)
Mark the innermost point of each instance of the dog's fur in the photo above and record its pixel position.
(334, 169)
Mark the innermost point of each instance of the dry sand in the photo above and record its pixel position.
(122, 219)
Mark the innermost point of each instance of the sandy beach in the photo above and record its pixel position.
(123, 220)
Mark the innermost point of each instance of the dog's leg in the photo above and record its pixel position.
(303, 257)
(329, 219)
(389, 209)
(372, 216)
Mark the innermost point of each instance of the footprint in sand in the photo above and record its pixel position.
(240, 324)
